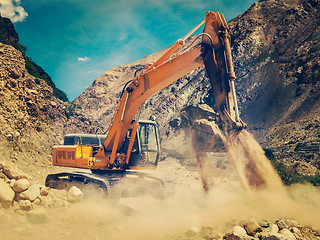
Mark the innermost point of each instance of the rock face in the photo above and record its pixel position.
(32, 119)
(7, 31)
(275, 47)
(9, 36)
(276, 53)
(100, 99)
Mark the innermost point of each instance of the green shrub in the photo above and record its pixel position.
(32, 70)
(71, 109)
(60, 94)
(17, 46)
(287, 176)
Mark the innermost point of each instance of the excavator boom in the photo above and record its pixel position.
(115, 151)
(131, 144)
(214, 53)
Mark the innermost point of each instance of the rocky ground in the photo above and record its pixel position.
(31, 211)
(280, 229)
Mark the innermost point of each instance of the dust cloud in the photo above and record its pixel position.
(253, 167)
(231, 199)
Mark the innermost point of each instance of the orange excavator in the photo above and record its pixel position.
(131, 144)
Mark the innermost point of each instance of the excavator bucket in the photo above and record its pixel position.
(207, 136)
(218, 62)
(200, 123)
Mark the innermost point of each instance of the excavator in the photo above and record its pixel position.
(130, 144)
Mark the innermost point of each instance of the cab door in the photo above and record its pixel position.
(146, 148)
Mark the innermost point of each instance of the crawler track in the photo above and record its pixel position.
(120, 184)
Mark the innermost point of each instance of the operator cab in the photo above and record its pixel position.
(146, 148)
(145, 151)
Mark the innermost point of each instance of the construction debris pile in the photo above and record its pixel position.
(18, 191)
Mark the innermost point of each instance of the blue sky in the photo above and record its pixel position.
(75, 41)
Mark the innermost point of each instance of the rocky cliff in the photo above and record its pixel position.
(275, 46)
(276, 51)
(9, 36)
(32, 119)
(7, 31)
(100, 99)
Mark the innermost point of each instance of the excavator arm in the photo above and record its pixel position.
(106, 152)
(219, 67)
(131, 144)
(214, 53)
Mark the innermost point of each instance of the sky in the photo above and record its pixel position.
(75, 41)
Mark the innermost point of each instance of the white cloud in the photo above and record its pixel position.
(85, 59)
(123, 36)
(12, 10)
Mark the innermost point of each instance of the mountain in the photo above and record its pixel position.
(9, 36)
(275, 47)
(32, 118)
(276, 51)
(7, 32)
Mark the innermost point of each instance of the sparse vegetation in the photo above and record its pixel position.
(37, 71)
(60, 94)
(19, 47)
(287, 176)
(31, 68)
(71, 109)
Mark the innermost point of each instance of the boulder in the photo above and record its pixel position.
(37, 201)
(237, 233)
(252, 228)
(37, 216)
(282, 224)
(296, 232)
(272, 236)
(13, 172)
(25, 205)
(273, 228)
(74, 194)
(287, 234)
(44, 191)
(6, 194)
(264, 223)
(31, 194)
(21, 185)
(292, 223)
